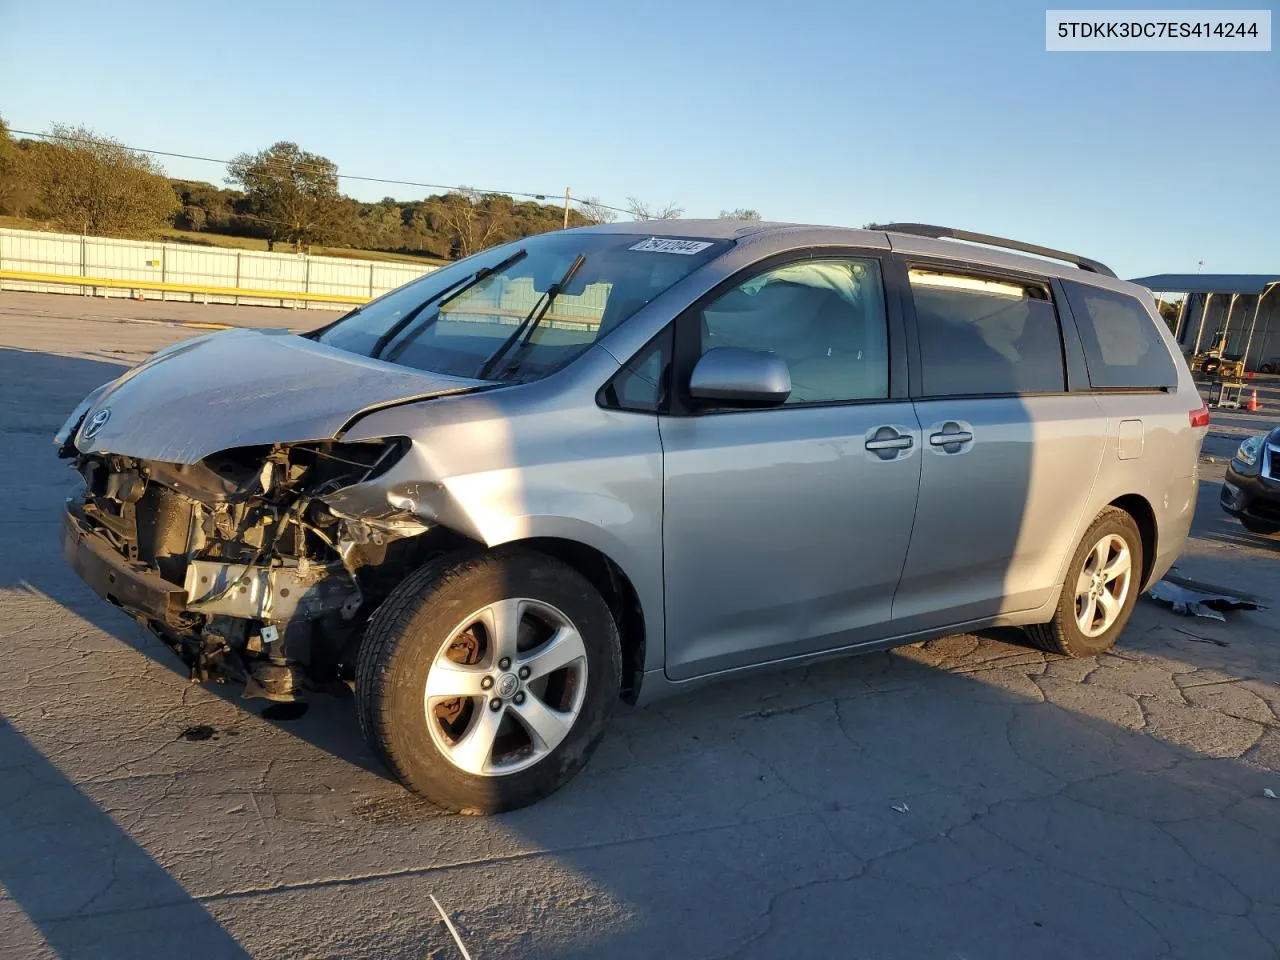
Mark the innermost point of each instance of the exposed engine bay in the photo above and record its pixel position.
(238, 563)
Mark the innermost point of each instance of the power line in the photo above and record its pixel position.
(307, 165)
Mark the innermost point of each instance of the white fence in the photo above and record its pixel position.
(510, 301)
(187, 272)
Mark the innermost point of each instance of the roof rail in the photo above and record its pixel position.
(938, 233)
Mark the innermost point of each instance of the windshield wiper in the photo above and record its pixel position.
(443, 297)
(530, 323)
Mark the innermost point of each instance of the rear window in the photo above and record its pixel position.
(1122, 347)
(985, 336)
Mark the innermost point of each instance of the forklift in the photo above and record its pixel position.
(1226, 388)
(1212, 363)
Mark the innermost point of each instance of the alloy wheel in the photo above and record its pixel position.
(506, 687)
(1103, 585)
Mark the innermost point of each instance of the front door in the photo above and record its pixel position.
(785, 529)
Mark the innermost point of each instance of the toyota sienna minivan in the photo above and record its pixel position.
(611, 463)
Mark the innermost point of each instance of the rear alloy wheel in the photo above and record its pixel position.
(1101, 587)
(486, 682)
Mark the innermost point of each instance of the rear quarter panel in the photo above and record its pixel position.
(1164, 469)
(1164, 474)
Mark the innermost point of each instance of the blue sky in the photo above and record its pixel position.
(830, 112)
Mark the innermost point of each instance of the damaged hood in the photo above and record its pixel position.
(241, 388)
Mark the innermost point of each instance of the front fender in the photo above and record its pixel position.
(524, 463)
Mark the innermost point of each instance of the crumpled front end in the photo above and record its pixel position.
(236, 560)
(206, 469)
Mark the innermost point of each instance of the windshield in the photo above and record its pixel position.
(467, 321)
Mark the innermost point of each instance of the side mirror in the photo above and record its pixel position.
(732, 376)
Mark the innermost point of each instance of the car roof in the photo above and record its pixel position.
(689, 229)
(802, 234)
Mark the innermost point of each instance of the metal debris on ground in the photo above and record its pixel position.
(902, 808)
(1199, 639)
(1190, 598)
(1270, 794)
(453, 931)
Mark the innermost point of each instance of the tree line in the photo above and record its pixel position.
(86, 183)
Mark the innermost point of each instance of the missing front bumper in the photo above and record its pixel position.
(277, 594)
(260, 632)
(127, 584)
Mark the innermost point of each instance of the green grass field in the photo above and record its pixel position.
(203, 239)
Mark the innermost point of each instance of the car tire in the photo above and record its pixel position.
(1098, 554)
(1267, 368)
(492, 748)
(1259, 527)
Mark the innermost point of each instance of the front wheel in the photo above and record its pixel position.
(1101, 588)
(485, 683)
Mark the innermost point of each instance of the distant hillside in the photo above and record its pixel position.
(283, 197)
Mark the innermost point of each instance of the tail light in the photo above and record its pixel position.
(1200, 416)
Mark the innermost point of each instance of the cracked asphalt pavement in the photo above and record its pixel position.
(965, 798)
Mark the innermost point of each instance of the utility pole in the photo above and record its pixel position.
(566, 208)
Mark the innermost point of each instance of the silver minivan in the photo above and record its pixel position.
(611, 463)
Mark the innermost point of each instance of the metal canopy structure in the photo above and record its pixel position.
(1237, 283)
(1206, 286)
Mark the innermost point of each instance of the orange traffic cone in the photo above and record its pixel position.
(1253, 402)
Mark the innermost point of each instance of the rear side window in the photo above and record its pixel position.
(985, 336)
(1122, 346)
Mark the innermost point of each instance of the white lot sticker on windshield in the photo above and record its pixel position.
(662, 245)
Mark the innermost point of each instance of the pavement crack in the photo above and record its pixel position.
(782, 711)
(774, 900)
(337, 880)
(1125, 898)
(1162, 828)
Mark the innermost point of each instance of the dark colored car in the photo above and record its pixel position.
(1251, 492)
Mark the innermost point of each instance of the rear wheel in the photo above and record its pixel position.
(1101, 588)
(485, 683)
(1259, 526)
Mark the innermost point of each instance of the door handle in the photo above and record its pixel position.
(946, 439)
(890, 443)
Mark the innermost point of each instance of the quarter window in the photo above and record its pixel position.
(641, 384)
(825, 318)
(985, 336)
(1122, 346)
